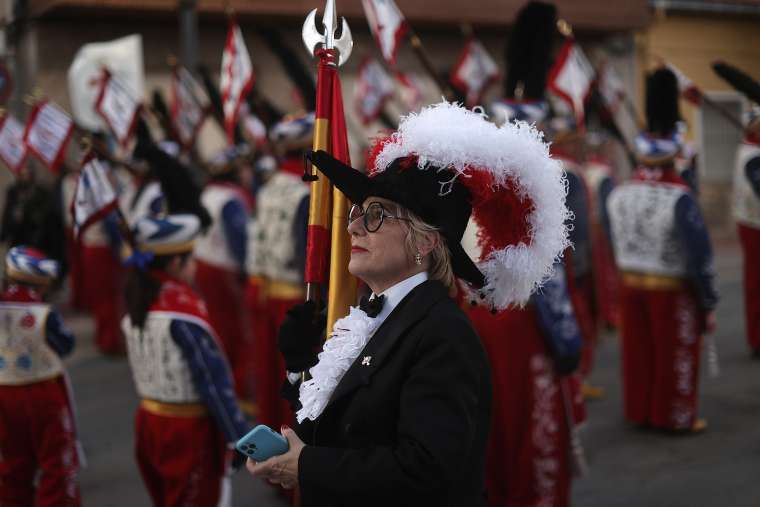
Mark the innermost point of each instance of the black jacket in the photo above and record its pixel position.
(410, 428)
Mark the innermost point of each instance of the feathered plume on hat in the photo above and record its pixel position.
(528, 58)
(529, 51)
(662, 109)
(745, 85)
(517, 191)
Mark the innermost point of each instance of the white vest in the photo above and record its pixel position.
(277, 205)
(253, 265)
(158, 364)
(25, 356)
(746, 204)
(644, 234)
(212, 248)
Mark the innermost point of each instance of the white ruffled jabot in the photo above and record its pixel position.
(338, 354)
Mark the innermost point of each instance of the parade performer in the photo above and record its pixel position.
(600, 178)
(221, 276)
(39, 458)
(404, 376)
(663, 252)
(746, 206)
(282, 213)
(567, 146)
(188, 409)
(66, 188)
(100, 249)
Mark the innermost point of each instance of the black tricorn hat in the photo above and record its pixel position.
(433, 194)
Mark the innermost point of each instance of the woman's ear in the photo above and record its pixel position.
(426, 242)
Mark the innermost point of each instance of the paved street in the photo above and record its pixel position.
(629, 467)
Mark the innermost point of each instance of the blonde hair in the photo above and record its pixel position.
(440, 258)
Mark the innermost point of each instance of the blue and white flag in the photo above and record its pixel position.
(94, 197)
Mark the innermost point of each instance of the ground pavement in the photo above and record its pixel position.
(629, 467)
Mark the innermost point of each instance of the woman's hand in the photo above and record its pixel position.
(282, 469)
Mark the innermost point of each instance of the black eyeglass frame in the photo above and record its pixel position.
(383, 215)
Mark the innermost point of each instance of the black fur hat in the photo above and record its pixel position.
(529, 50)
(662, 102)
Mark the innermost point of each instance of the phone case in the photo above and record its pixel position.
(261, 443)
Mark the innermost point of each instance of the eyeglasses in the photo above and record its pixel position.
(373, 216)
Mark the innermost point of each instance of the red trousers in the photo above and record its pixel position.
(37, 435)
(181, 459)
(750, 240)
(606, 278)
(270, 368)
(527, 462)
(225, 297)
(103, 292)
(660, 350)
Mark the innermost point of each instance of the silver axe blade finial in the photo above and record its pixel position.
(312, 37)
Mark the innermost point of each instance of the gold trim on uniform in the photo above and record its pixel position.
(174, 409)
(248, 408)
(652, 282)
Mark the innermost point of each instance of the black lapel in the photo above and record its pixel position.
(408, 312)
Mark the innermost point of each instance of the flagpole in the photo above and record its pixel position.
(328, 207)
(427, 64)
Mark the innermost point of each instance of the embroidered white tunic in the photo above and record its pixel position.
(25, 356)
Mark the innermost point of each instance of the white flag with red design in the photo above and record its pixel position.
(410, 91)
(189, 106)
(237, 77)
(118, 106)
(12, 147)
(474, 71)
(94, 196)
(388, 26)
(47, 133)
(686, 86)
(571, 77)
(373, 88)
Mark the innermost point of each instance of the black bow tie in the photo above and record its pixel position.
(372, 306)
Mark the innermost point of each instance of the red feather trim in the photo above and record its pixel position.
(500, 211)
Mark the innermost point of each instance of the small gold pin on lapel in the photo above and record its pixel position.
(366, 360)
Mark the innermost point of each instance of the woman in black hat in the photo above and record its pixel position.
(398, 405)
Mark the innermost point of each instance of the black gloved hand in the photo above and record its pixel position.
(300, 334)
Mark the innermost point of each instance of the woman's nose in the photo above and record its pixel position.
(356, 228)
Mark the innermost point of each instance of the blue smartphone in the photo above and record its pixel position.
(261, 443)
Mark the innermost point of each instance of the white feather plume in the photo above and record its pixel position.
(448, 135)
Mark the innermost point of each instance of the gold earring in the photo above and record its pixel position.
(418, 259)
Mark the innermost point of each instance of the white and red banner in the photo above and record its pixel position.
(48, 132)
(12, 146)
(474, 71)
(189, 106)
(571, 77)
(686, 86)
(237, 77)
(124, 58)
(388, 26)
(373, 88)
(118, 106)
(94, 196)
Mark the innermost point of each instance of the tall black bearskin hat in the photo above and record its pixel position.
(529, 51)
(745, 85)
(662, 102)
